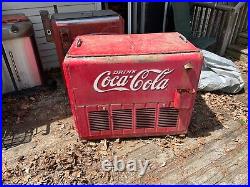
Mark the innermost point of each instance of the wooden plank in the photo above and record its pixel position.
(197, 21)
(40, 33)
(45, 53)
(222, 26)
(29, 11)
(217, 170)
(227, 34)
(41, 40)
(49, 58)
(128, 147)
(49, 65)
(205, 19)
(210, 22)
(207, 22)
(217, 28)
(244, 20)
(77, 8)
(35, 19)
(28, 5)
(38, 26)
(200, 22)
(210, 153)
(213, 5)
(231, 168)
(46, 46)
(195, 10)
(34, 14)
(215, 23)
(146, 152)
(237, 27)
(234, 27)
(98, 6)
(193, 150)
(50, 62)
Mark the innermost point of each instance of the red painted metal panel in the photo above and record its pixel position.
(66, 26)
(141, 91)
(155, 43)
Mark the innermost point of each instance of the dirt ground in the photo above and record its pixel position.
(40, 145)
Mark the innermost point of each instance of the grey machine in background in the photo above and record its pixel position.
(20, 62)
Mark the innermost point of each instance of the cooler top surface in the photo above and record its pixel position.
(83, 15)
(133, 44)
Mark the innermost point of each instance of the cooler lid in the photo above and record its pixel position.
(132, 44)
(83, 14)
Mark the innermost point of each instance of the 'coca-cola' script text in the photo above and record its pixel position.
(123, 80)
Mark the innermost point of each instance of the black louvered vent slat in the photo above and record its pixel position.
(145, 118)
(122, 119)
(99, 120)
(168, 117)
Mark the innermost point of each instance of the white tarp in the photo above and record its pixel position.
(219, 73)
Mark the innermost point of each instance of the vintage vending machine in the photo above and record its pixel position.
(62, 28)
(21, 67)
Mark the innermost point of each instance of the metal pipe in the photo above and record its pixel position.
(165, 17)
(143, 10)
(134, 17)
(129, 17)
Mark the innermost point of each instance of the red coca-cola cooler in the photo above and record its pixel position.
(62, 28)
(132, 85)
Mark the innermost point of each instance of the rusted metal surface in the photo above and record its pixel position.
(120, 87)
(167, 43)
(66, 26)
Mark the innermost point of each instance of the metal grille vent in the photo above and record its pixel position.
(168, 117)
(99, 120)
(145, 118)
(122, 119)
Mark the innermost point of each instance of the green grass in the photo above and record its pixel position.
(243, 122)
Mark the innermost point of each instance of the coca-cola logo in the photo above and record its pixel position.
(123, 80)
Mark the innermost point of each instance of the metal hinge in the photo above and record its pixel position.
(46, 25)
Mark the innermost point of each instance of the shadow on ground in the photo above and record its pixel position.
(30, 112)
(25, 114)
(204, 120)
